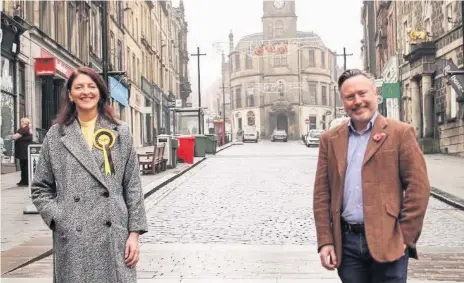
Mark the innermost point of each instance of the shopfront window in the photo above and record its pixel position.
(7, 112)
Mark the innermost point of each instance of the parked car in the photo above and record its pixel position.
(279, 135)
(312, 139)
(250, 134)
(338, 121)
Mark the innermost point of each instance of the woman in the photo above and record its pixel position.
(23, 138)
(87, 187)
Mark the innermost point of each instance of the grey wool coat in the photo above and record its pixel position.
(91, 214)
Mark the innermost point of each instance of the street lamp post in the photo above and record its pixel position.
(105, 55)
(223, 107)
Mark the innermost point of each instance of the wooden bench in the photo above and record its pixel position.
(153, 162)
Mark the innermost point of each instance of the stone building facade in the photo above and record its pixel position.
(416, 42)
(281, 78)
(146, 39)
(430, 36)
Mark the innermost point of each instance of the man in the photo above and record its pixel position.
(371, 190)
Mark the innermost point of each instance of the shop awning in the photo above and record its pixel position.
(118, 91)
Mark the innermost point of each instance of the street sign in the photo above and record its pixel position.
(33, 153)
(306, 121)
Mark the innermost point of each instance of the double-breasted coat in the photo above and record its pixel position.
(395, 189)
(91, 214)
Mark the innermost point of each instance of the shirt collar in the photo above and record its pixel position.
(369, 126)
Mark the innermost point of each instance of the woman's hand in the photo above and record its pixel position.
(16, 136)
(131, 254)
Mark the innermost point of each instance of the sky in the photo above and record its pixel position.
(337, 22)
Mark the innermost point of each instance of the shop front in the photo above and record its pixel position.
(52, 74)
(165, 119)
(156, 110)
(10, 48)
(147, 112)
(8, 122)
(137, 125)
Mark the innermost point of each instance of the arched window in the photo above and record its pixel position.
(279, 28)
(251, 118)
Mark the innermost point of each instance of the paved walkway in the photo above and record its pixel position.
(25, 237)
(202, 237)
(446, 173)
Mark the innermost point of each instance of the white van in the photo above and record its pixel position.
(250, 134)
(338, 121)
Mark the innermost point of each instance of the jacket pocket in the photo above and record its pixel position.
(392, 210)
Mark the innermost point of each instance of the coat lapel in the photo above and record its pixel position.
(373, 146)
(74, 141)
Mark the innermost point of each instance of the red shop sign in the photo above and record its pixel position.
(45, 66)
(60, 66)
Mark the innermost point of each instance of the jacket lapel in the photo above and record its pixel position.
(373, 145)
(340, 149)
(74, 141)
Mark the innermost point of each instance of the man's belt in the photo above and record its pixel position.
(352, 228)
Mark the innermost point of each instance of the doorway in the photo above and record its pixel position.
(282, 122)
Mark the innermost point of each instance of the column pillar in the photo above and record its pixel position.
(415, 107)
(319, 94)
(427, 106)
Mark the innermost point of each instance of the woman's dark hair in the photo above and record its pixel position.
(68, 111)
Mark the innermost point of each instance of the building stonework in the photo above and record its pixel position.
(146, 40)
(426, 37)
(281, 78)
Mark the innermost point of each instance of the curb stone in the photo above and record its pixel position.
(447, 198)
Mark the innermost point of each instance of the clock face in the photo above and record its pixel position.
(279, 4)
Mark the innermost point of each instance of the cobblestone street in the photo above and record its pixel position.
(246, 213)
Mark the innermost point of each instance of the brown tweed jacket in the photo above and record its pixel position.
(395, 189)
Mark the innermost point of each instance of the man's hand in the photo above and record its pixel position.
(328, 257)
(132, 251)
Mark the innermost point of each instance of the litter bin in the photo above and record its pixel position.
(211, 144)
(200, 145)
(186, 148)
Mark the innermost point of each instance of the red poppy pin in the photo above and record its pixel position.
(379, 136)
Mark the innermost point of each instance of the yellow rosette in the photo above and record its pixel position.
(104, 140)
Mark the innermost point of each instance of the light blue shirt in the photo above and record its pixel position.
(352, 196)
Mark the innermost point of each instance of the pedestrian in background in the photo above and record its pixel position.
(371, 190)
(87, 187)
(23, 138)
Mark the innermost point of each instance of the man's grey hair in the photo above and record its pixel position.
(353, 73)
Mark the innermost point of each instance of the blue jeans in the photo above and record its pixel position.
(358, 266)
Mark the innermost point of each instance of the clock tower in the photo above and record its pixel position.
(279, 19)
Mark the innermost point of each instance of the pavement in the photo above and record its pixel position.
(446, 178)
(25, 238)
(245, 215)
